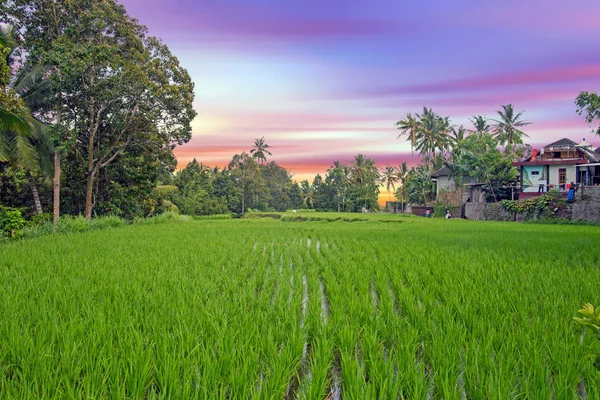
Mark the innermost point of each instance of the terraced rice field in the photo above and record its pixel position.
(269, 309)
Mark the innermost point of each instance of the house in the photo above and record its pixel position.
(447, 191)
(557, 165)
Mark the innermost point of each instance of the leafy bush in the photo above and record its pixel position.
(40, 219)
(439, 211)
(167, 206)
(544, 206)
(162, 218)
(11, 222)
(110, 221)
(69, 224)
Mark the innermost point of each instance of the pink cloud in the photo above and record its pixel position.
(530, 77)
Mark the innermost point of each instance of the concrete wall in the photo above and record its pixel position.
(588, 193)
(487, 212)
(586, 210)
(571, 173)
(445, 183)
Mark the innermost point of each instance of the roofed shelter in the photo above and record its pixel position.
(557, 165)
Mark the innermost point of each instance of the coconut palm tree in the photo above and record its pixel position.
(24, 141)
(389, 178)
(506, 128)
(308, 193)
(432, 135)
(480, 124)
(340, 177)
(402, 175)
(409, 127)
(260, 149)
(363, 170)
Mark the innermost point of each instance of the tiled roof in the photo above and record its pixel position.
(563, 143)
(444, 171)
(592, 155)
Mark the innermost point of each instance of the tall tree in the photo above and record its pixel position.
(24, 141)
(432, 135)
(480, 124)
(409, 127)
(115, 81)
(260, 149)
(588, 104)
(402, 176)
(507, 128)
(338, 176)
(389, 178)
(308, 193)
(364, 188)
(246, 175)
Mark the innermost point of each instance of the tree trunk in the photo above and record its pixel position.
(56, 188)
(89, 191)
(36, 196)
(91, 171)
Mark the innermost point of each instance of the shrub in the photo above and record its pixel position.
(110, 221)
(439, 211)
(541, 207)
(162, 218)
(40, 219)
(11, 222)
(69, 224)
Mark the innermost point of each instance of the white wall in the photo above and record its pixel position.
(571, 173)
(444, 183)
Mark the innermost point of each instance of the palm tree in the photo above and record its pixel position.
(408, 127)
(506, 129)
(480, 124)
(363, 170)
(389, 178)
(24, 141)
(432, 135)
(340, 176)
(260, 149)
(402, 175)
(308, 193)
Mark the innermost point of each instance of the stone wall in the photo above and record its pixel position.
(588, 193)
(487, 212)
(578, 210)
(586, 210)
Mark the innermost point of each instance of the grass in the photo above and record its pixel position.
(260, 308)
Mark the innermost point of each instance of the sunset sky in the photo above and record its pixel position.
(324, 80)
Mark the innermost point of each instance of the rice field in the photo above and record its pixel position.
(272, 309)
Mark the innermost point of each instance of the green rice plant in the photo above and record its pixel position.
(590, 318)
(211, 217)
(255, 308)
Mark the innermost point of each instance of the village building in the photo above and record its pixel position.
(447, 190)
(558, 165)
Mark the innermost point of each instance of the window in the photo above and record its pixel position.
(535, 173)
(562, 176)
(556, 154)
